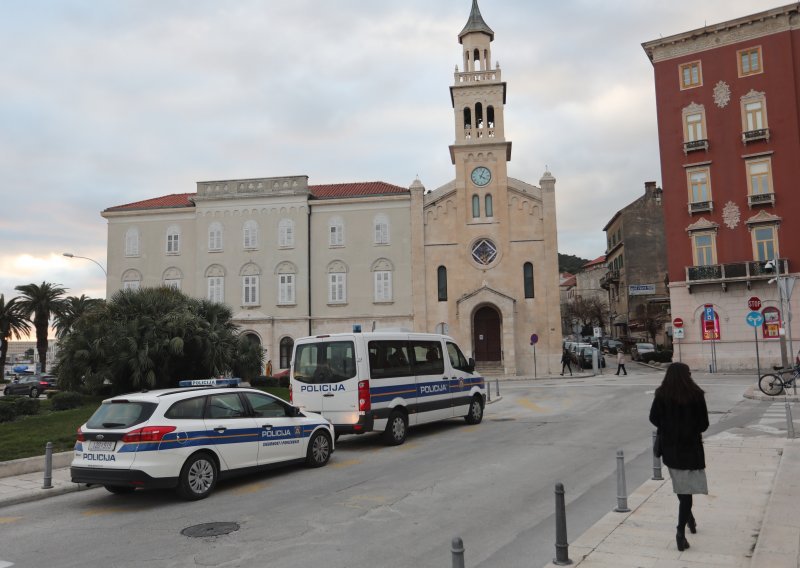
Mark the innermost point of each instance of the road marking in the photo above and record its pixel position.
(7, 520)
(4, 564)
(345, 463)
(529, 404)
(250, 488)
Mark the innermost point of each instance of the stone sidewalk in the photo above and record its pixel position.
(749, 518)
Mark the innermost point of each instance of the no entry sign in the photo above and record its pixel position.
(677, 322)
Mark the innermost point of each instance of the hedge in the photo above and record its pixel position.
(26, 406)
(67, 400)
(7, 413)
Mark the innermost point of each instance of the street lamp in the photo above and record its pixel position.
(70, 255)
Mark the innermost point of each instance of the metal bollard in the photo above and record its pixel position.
(656, 461)
(48, 466)
(488, 391)
(622, 492)
(457, 548)
(789, 421)
(562, 547)
(497, 387)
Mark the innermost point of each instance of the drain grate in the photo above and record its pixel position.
(210, 529)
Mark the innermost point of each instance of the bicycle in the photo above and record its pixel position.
(772, 384)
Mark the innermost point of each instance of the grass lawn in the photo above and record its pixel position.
(27, 436)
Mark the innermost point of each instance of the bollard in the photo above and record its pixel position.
(48, 466)
(656, 461)
(457, 549)
(562, 547)
(497, 387)
(789, 420)
(488, 391)
(622, 493)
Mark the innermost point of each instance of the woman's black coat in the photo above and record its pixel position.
(681, 427)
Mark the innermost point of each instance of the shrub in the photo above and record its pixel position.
(26, 406)
(284, 381)
(7, 413)
(648, 357)
(664, 356)
(264, 381)
(67, 400)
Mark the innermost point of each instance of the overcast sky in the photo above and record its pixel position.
(108, 102)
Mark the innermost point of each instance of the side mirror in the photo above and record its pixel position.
(471, 365)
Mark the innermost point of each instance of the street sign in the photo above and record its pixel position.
(754, 319)
(534, 339)
(677, 322)
(754, 303)
(598, 332)
(678, 333)
(708, 312)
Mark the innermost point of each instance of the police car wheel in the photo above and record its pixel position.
(396, 429)
(319, 450)
(198, 477)
(475, 414)
(119, 489)
(34, 393)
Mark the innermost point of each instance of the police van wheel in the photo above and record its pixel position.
(198, 477)
(319, 450)
(119, 489)
(396, 429)
(475, 414)
(34, 393)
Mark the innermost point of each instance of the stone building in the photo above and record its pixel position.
(475, 258)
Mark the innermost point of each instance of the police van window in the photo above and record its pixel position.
(225, 405)
(389, 359)
(457, 359)
(428, 358)
(265, 406)
(190, 409)
(325, 362)
(120, 414)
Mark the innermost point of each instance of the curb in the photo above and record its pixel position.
(34, 464)
(40, 494)
(753, 393)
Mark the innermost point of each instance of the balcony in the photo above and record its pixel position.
(753, 135)
(694, 145)
(699, 206)
(761, 199)
(724, 274)
(611, 277)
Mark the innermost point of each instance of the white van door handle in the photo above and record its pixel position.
(220, 429)
(267, 426)
(328, 395)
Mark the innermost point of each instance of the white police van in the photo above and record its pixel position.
(188, 438)
(385, 381)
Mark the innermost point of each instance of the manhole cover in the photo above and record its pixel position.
(210, 529)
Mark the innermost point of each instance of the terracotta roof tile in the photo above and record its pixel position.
(598, 260)
(174, 200)
(358, 189)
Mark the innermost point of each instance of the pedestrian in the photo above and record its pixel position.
(269, 368)
(680, 414)
(621, 361)
(565, 362)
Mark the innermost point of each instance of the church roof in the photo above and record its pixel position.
(327, 191)
(475, 23)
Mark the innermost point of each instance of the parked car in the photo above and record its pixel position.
(574, 353)
(613, 344)
(29, 385)
(585, 358)
(640, 349)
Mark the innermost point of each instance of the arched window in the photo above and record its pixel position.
(490, 116)
(250, 274)
(250, 234)
(478, 115)
(488, 205)
(476, 56)
(381, 230)
(173, 239)
(441, 283)
(527, 277)
(215, 236)
(382, 280)
(132, 242)
(337, 282)
(172, 278)
(286, 346)
(286, 283)
(476, 206)
(215, 283)
(286, 233)
(467, 117)
(131, 280)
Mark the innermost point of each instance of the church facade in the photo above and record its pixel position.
(475, 258)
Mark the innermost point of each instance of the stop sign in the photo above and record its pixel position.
(677, 322)
(754, 303)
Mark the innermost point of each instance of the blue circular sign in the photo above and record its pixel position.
(754, 319)
(534, 339)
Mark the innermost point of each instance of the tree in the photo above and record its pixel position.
(12, 324)
(587, 312)
(41, 302)
(652, 317)
(74, 309)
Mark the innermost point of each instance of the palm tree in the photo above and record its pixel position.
(12, 324)
(74, 309)
(41, 302)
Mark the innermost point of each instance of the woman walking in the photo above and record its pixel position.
(680, 414)
(565, 362)
(621, 361)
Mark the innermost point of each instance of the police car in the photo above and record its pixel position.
(189, 438)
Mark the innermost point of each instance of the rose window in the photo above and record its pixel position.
(484, 252)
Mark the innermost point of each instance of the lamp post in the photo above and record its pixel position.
(70, 255)
(785, 287)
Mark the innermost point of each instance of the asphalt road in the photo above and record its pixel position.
(375, 506)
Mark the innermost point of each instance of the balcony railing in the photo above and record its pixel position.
(611, 277)
(699, 206)
(744, 271)
(761, 199)
(753, 135)
(693, 145)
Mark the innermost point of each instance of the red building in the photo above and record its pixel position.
(729, 136)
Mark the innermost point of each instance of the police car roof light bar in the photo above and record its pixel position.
(232, 382)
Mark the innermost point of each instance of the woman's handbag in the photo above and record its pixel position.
(657, 444)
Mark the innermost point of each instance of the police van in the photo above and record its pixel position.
(385, 381)
(188, 438)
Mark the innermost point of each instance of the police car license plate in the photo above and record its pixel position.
(96, 446)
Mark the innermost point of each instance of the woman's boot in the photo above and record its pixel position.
(680, 539)
(692, 524)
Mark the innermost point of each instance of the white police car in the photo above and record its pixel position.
(189, 438)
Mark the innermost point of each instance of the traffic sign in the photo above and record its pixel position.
(678, 333)
(708, 312)
(534, 339)
(754, 303)
(677, 322)
(754, 319)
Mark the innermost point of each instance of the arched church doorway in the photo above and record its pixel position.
(486, 334)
